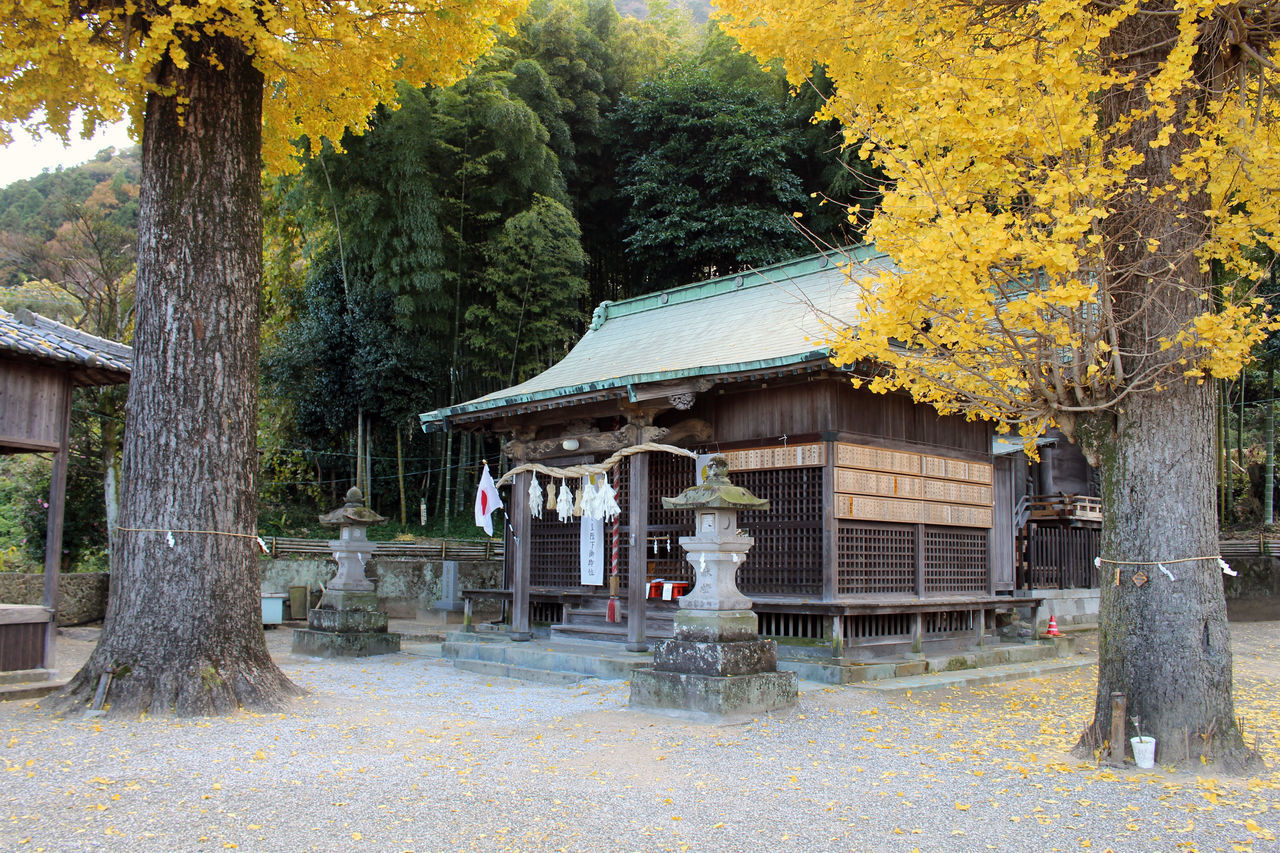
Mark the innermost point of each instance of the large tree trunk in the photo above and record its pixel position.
(183, 632)
(1164, 644)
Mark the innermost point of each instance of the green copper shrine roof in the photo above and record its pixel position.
(770, 317)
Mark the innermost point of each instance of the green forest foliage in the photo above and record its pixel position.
(460, 244)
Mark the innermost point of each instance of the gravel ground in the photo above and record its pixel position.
(404, 752)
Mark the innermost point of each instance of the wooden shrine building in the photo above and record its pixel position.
(41, 362)
(878, 539)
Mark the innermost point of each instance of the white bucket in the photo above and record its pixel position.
(1144, 751)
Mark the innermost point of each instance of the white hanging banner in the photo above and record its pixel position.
(700, 468)
(591, 549)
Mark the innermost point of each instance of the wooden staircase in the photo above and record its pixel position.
(585, 620)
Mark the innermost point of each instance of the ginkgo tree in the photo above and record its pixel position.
(1071, 187)
(217, 89)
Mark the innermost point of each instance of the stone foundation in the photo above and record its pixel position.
(714, 699)
(82, 596)
(346, 624)
(1067, 607)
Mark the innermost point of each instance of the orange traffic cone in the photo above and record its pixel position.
(1052, 630)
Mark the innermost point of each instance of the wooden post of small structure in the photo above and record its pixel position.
(1117, 728)
(53, 529)
(520, 566)
(830, 526)
(637, 557)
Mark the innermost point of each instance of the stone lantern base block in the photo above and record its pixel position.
(344, 644)
(346, 624)
(712, 698)
(716, 626)
(724, 659)
(346, 621)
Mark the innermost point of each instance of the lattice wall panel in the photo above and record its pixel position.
(554, 553)
(875, 559)
(951, 622)
(804, 626)
(955, 561)
(876, 626)
(669, 475)
(787, 556)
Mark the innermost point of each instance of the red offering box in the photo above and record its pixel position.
(667, 590)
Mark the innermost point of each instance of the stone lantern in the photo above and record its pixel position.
(716, 668)
(347, 622)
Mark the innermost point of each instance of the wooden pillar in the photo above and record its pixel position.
(522, 528)
(637, 555)
(830, 527)
(53, 529)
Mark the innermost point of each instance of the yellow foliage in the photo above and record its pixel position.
(327, 65)
(1021, 291)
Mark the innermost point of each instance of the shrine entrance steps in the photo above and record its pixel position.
(586, 620)
(556, 660)
(540, 660)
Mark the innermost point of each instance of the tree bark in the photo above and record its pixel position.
(183, 632)
(1163, 644)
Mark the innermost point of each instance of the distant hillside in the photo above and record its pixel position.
(35, 207)
(34, 210)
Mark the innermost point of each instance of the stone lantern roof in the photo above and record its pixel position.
(352, 512)
(716, 492)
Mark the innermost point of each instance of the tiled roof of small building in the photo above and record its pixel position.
(26, 336)
(770, 317)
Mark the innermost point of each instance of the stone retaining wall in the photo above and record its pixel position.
(82, 596)
(1256, 577)
(408, 588)
(1067, 607)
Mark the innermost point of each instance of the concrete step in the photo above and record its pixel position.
(608, 661)
(521, 673)
(811, 667)
(611, 631)
(977, 677)
(22, 691)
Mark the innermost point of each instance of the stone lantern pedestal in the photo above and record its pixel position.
(347, 622)
(717, 668)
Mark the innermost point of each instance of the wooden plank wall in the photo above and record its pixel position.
(832, 404)
(30, 406)
(21, 646)
(1002, 533)
(877, 484)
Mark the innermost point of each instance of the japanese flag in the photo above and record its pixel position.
(487, 501)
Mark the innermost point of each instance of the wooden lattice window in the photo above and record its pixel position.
(554, 553)
(787, 556)
(806, 626)
(669, 475)
(875, 558)
(950, 622)
(955, 560)
(874, 626)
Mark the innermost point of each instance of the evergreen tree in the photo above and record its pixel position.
(704, 165)
(528, 314)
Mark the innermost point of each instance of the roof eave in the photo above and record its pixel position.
(613, 387)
